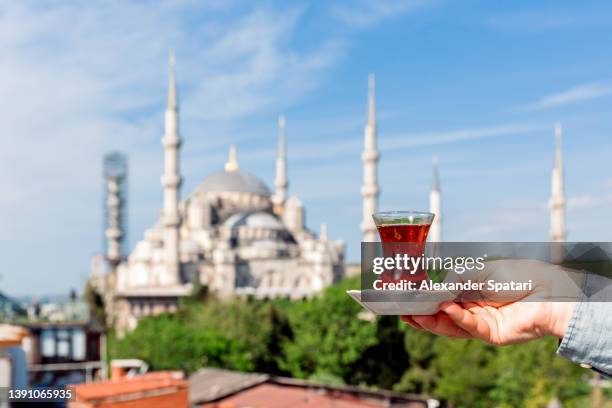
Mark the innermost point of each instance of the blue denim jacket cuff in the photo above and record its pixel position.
(588, 339)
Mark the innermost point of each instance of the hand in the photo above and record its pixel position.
(508, 317)
(508, 324)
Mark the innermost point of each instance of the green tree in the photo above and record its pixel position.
(166, 342)
(467, 372)
(328, 336)
(96, 305)
(327, 339)
(278, 332)
(531, 375)
(420, 376)
(383, 363)
(261, 326)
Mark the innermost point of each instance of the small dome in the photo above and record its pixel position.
(261, 220)
(233, 181)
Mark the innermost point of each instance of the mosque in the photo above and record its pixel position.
(231, 234)
(236, 237)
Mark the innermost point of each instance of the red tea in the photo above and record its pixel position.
(399, 233)
(403, 233)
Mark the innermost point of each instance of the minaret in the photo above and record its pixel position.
(171, 181)
(115, 177)
(369, 190)
(281, 181)
(557, 198)
(323, 234)
(435, 231)
(113, 232)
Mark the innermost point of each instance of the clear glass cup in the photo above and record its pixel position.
(403, 233)
(403, 226)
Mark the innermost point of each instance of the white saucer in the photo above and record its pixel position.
(410, 302)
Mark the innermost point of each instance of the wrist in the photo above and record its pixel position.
(560, 315)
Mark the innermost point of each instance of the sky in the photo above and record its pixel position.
(479, 84)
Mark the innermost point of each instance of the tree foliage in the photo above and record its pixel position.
(95, 303)
(328, 339)
(328, 336)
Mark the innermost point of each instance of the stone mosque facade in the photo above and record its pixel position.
(231, 234)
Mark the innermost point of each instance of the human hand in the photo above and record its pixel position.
(507, 324)
(512, 316)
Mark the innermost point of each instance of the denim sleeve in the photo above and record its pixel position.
(588, 338)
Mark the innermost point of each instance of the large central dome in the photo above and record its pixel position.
(233, 181)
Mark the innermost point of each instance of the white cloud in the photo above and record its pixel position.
(84, 78)
(249, 68)
(454, 136)
(320, 149)
(576, 94)
(364, 13)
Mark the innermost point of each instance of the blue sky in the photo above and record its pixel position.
(478, 83)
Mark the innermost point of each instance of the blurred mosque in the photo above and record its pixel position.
(231, 234)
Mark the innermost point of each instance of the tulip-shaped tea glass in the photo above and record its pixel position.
(404, 233)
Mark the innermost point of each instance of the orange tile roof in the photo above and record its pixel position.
(127, 386)
(12, 335)
(218, 388)
(277, 396)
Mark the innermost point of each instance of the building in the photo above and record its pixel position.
(64, 344)
(151, 390)
(13, 365)
(59, 353)
(236, 237)
(231, 234)
(217, 388)
(10, 309)
(60, 341)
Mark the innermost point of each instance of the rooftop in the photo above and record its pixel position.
(11, 335)
(279, 396)
(209, 384)
(130, 388)
(217, 388)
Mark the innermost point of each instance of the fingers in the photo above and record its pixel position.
(410, 321)
(442, 325)
(467, 319)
